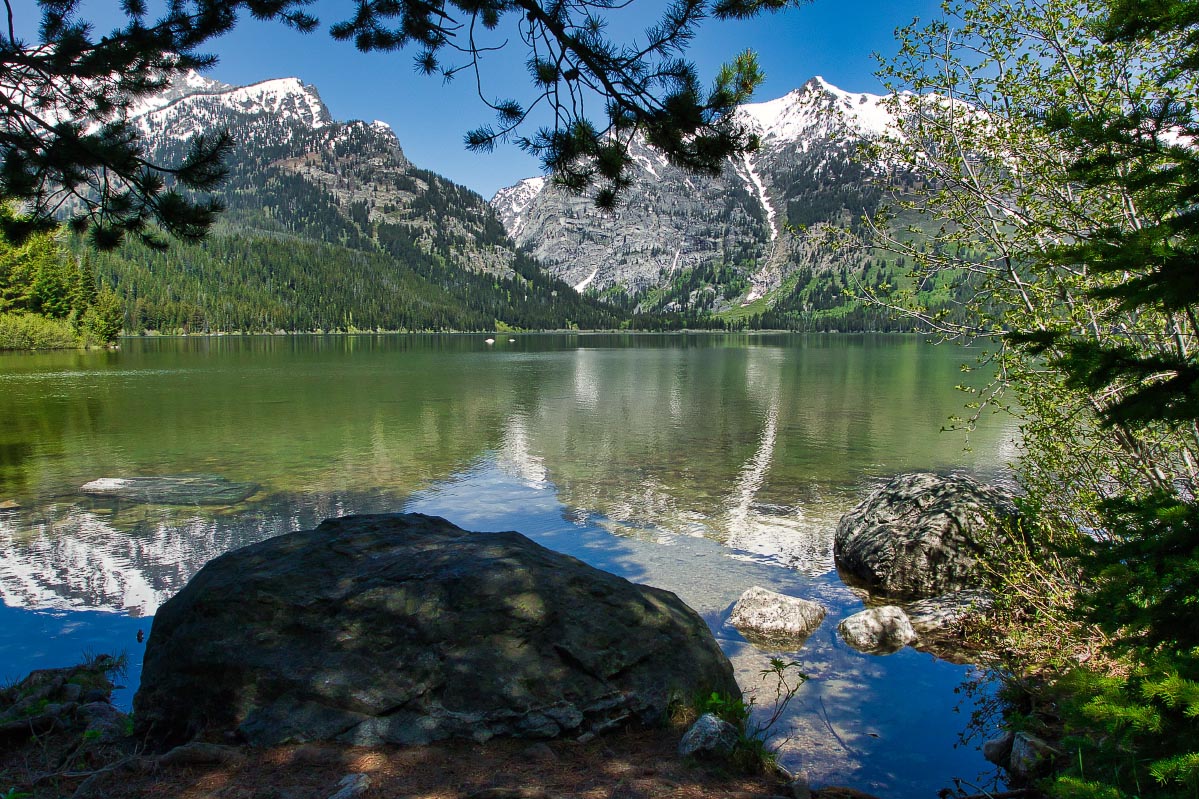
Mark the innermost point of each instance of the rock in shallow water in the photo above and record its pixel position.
(999, 750)
(187, 489)
(768, 618)
(878, 631)
(944, 614)
(1030, 756)
(406, 629)
(922, 535)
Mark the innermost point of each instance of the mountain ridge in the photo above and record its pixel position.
(805, 173)
(384, 244)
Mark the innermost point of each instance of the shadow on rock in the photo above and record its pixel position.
(406, 629)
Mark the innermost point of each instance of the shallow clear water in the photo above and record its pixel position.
(701, 464)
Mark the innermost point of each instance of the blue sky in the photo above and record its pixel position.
(831, 38)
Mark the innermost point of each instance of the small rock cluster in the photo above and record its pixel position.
(921, 541)
(74, 700)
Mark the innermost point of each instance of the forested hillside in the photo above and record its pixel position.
(327, 226)
(247, 281)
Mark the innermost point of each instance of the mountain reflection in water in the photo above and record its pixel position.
(702, 465)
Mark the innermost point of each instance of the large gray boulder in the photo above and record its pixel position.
(406, 629)
(922, 535)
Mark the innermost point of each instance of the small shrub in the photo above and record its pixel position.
(724, 707)
(752, 752)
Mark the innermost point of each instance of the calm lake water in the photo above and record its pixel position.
(703, 464)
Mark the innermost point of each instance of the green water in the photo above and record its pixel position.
(703, 464)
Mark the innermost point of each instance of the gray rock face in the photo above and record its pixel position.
(767, 617)
(668, 222)
(187, 489)
(1030, 756)
(404, 628)
(878, 631)
(999, 750)
(710, 737)
(921, 535)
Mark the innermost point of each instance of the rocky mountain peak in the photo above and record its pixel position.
(512, 202)
(287, 98)
(712, 242)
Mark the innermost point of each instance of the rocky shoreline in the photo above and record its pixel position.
(61, 737)
(370, 636)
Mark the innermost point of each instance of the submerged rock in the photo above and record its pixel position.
(768, 618)
(404, 628)
(187, 489)
(878, 631)
(922, 535)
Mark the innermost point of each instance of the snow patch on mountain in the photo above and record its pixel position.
(283, 96)
(582, 285)
(760, 191)
(185, 85)
(817, 106)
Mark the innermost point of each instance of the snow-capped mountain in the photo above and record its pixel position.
(312, 174)
(327, 225)
(805, 172)
(200, 103)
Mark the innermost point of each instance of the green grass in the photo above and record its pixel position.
(737, 313)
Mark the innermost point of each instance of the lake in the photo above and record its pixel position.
(703, 464)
